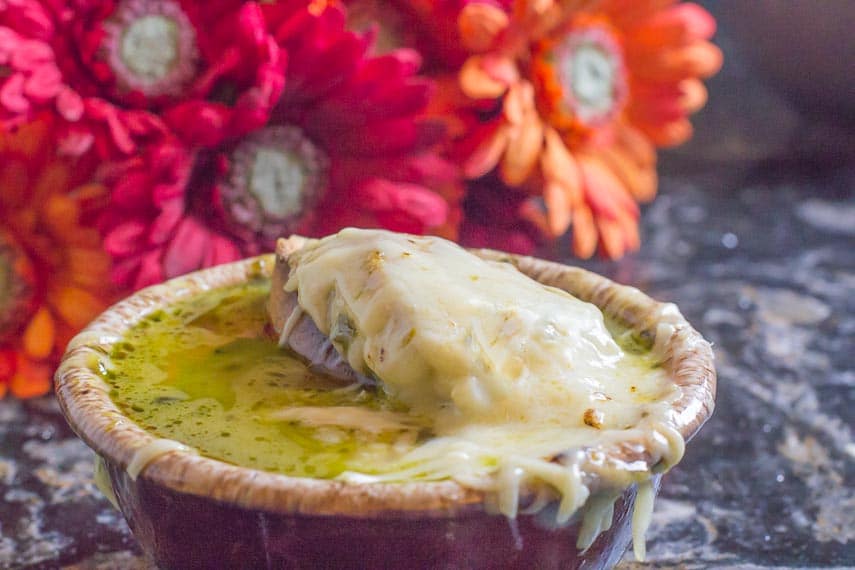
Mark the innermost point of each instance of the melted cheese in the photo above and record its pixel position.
(641, 516)
(520, 378)
(449, 333)
(599, 512)
(102, 481)
(348, 417)
(151, 451)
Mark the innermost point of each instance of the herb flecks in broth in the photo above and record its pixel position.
(205, 373)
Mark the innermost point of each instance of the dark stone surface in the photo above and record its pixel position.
(763, 264)
(761, 261)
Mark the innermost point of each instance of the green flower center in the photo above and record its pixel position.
(590, 67)
(277, 174)
(277, 179)
(151, 47)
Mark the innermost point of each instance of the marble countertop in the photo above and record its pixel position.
(762, 262)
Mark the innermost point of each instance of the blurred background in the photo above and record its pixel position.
(786, 93)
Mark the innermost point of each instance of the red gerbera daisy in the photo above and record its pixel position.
(343, 146)
(101, 65)
(54, 276)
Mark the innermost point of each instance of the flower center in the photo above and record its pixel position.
(277, 178)
(17, 287)
(277, 174)
(151, 47)
(581, 77)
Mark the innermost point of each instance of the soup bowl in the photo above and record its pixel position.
(191, 511)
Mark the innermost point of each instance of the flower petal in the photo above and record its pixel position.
(69, 104)
(640, 180)
(487, 154)
(164, 224)
(150, 269)
(73, 142)
(479, 23)
(38, 337)
(404, 207)
(618, 236)
(482, 77)
(604, 192)
(12, 94)
(667, 134)
(627, 12)
(52, 176)
(635, 144)
(31, 379)
(519, 102)
(698, 59)
(500, 68)
(87, 268)
(584, 232)
(199, 122)
(44, 83)
(559, 166)
(31, 19)
(629, 227)
(30, 54)
(656, 102)
(8, 366)
(74, 305)
(222, 250)
(104, 111)
(677, 25)
(693, 95)
(611, 238)
(525, 144)
(558, 208)
(126, 238)
(187, 249)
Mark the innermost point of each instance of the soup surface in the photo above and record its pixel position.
(207, 373)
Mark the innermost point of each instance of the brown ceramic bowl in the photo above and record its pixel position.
(189, 511)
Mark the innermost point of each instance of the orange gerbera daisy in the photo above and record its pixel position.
(584, 91)
(54, 276)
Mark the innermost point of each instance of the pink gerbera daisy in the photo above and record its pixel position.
(343, 146)
(103, 65)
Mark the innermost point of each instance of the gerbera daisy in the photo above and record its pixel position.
(343, 146)
(208, 68)
(583, 90)
(53, 273)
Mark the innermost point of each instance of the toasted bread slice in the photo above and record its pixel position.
(296, 329)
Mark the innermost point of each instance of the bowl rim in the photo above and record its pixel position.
(84, 399)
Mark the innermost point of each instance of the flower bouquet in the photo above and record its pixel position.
(143, 139)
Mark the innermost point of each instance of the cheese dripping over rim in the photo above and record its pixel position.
(524, 381)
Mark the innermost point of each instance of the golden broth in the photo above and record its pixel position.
(205, 373)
